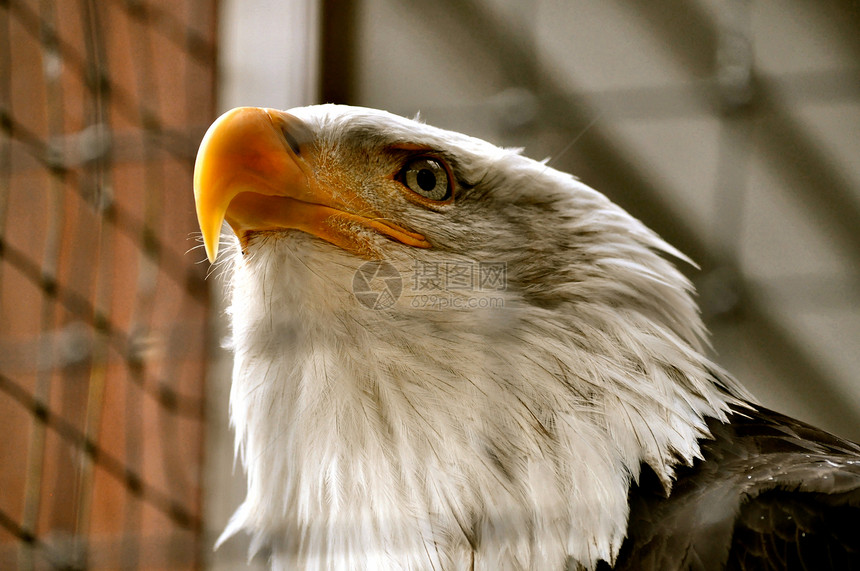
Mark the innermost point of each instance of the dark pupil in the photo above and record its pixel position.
(426, 179)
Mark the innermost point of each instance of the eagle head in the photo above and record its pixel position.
(447, 355)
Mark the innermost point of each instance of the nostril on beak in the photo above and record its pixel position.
(293, 129)
(291, 141)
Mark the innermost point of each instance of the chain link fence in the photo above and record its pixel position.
(103, 313)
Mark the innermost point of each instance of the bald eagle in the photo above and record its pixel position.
(449, 356)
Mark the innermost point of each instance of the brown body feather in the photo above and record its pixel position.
(769, 493)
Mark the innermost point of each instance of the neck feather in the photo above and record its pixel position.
(507, 441)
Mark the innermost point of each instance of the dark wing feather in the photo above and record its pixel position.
(790, 530)
(769, 493)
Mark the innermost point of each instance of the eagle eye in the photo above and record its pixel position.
(427, 177)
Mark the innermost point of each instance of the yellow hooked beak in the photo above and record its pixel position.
(250, 170)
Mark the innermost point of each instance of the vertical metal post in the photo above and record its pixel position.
(338, 44)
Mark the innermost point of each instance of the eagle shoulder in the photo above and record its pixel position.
(769, 492)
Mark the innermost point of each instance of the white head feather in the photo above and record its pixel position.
(497, 434)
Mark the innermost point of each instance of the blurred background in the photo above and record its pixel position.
(732, 127)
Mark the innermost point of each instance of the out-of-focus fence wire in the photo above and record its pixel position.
(102, 315)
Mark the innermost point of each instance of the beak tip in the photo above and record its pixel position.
(211, 239)
(212, 254)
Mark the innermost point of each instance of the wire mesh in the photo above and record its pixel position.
(102, 315)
